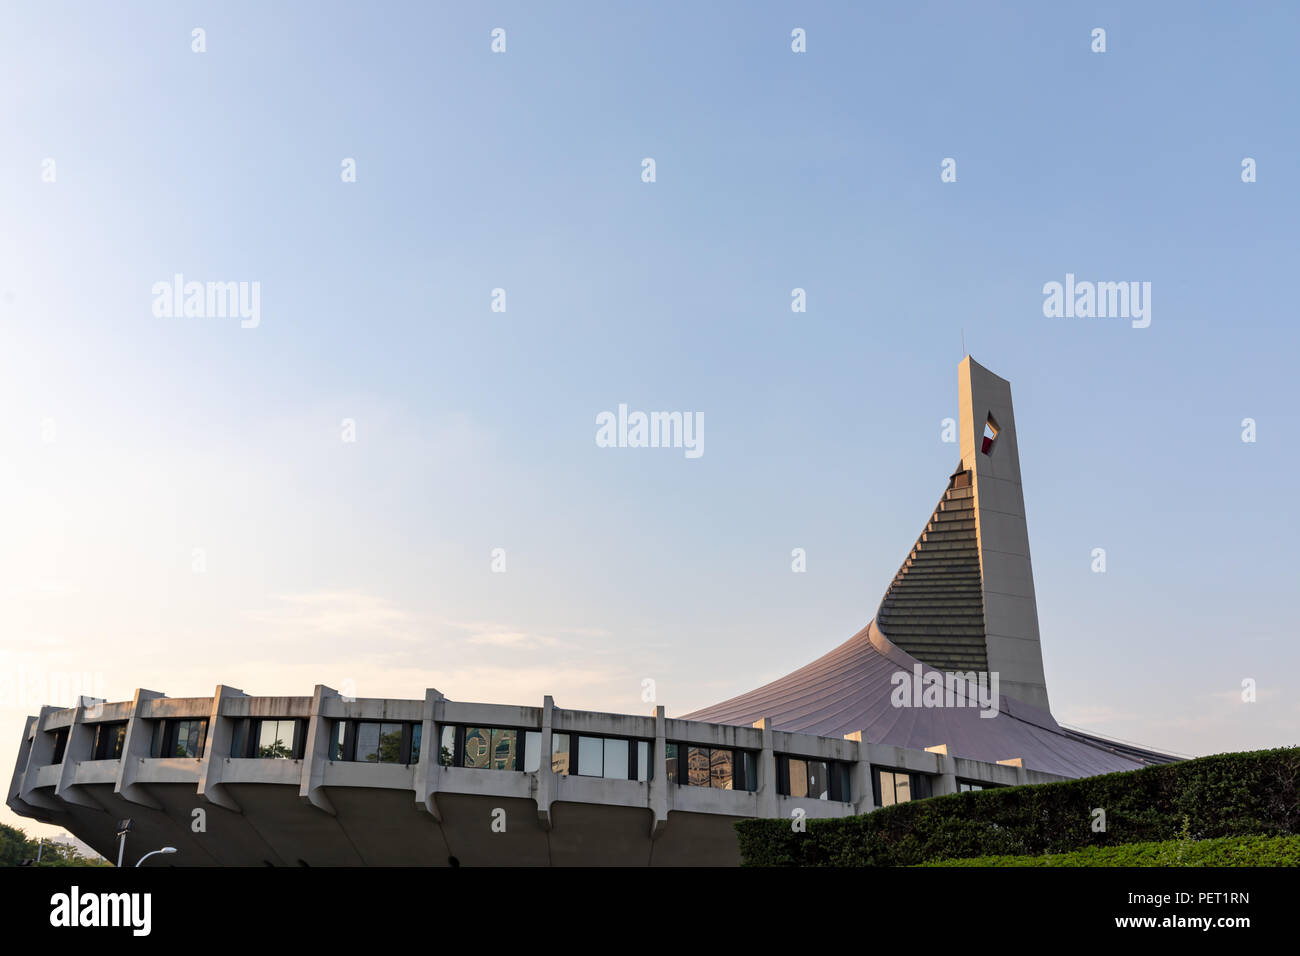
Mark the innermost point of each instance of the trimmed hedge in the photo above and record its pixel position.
(1226, 851)
(1236, 794)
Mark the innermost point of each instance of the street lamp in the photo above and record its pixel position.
(123, 827)
(166, 849)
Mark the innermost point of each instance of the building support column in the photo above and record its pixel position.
(217, 750)
(316, 752)
(659, 777)
(81, 746)
(135, 750)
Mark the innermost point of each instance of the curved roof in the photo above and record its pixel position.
(850, 688)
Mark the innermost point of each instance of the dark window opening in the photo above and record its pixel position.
(990, 435)
(60, 744)
(180, 737)
(109, 740)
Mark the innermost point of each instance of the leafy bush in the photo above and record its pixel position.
(1227, 795)
(1226, 851)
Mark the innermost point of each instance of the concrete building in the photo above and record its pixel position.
(942, 691)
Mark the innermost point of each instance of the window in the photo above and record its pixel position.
(897, 786)
(447, 745)
(969, 786)
(489, 748)
(109, 739)
(813, 779)
(376, 741)
(559, 753)
(722, 768)
(990, 436)
(614, 758)
(272, 738)
(183, 737)
(60, 744)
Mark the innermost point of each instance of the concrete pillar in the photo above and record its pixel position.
(41, 755)
(945, 781)
(864, 800)
(546, 781)
(135, 750)
(429, 766)
(767, 795)
(216, 751)
(316, 752)
(81, 746)
(659, 785)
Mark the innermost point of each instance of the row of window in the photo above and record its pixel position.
(376, 741)
(185, 737)
(490, 748)
(815, 779)
(495, 748)
(614, 758)
(722, 768)
(281, 738)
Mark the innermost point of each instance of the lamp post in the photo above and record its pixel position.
(123, 827)
(166, 849)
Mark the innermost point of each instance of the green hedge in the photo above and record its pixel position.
(1226, 851)
(1237, 794)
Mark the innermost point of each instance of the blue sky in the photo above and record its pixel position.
(369, 561)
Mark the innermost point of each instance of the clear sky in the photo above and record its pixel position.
(131, 440)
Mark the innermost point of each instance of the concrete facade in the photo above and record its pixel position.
(223, 810)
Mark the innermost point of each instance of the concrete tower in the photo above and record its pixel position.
(991, 453)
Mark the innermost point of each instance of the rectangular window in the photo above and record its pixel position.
(819, 780)
(560, 753)
(643, 760)
(720, 769)
(746, 770)
(338, 746)
(486, 748)
(895, 786)
(798, 778)
(812, 779)
(109, 740)
(275, 739)
(591, 757)
(477, 748)
(60, 744)
(616, 757)
(697, 766)
(188, 738)
(505, 749)
(367, 743)
(417, 731)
